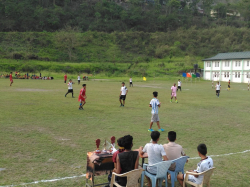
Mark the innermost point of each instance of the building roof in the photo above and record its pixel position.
(230, 56)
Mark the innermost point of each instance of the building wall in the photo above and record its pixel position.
(235, 70)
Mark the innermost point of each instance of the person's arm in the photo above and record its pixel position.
(141, 151)
(137, 162)
(165, 158)
(126, 91)
(159, 104)
(118, 169)
(150, 105)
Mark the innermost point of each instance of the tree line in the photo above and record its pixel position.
(116, 15)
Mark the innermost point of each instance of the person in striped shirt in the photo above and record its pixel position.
(154, 103)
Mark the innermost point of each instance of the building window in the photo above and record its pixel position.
(227, 64)
(217, 64)
(227, 74)
(208, 64)
(248, 76)
(237, 64)
(247, 63)
(237, 74)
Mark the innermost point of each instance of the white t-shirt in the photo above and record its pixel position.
(124, 90)
(79, 78)
(70, 85)
(155, 153)
(154, 104)
(179, 83)
(130, 80)
(217, 86)
(202, 166)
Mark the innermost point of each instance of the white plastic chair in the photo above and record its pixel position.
(162, 168)
(206, 179)
(179, 167)
(132, 178)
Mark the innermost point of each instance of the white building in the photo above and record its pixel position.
(224, 66)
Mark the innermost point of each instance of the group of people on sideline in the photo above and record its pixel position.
(126, 160)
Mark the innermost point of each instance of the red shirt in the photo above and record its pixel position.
(11, 77)
(82, 92)
(65, 77)
(115, 155)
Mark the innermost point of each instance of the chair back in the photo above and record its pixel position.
(180, 163)
(133, 177)
(162, 168)
(207, 175)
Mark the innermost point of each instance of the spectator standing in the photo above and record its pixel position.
(65, 78)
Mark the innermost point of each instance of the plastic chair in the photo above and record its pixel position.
(132, 178)
(206, 179)
(162, 168)
(180, 163)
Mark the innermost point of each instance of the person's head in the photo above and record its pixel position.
(202, 149)
(84, 85)
(10, 72)
(218, 83)
(155, 94)
(70, 80)
(128, 142)
(155, 135)
(123, 83)
(171, 136)
(179, 80)
(174, 84)
(120, 142)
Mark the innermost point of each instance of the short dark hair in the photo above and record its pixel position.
(83, 85)
(202, 149)
(123, 82)
(172, 136)
(155, 94)
(155, 135)
(120, 142)
(127, 142)
(70, 79)
(10, 72)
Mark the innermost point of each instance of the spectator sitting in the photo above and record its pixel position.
(172, 149)
(128, 160)
(155, 153)
(121, 149)
(205, 164)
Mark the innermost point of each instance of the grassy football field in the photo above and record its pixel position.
(44, 136)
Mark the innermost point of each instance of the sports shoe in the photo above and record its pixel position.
(176, 101)
(73, 97)
(150, 130)
(120, 105)
(65, 95)
(161, 130)
(170, 101)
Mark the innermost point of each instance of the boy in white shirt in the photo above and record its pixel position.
(130, 82)
(155, 153)
(70, 88)
(179, 85)
(154, 103)
(217, 88)
(123, 94)
(79, 79)
(205, 164)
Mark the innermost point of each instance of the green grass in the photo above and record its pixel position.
(44, 136)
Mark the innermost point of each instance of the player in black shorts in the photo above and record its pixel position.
(123, 94)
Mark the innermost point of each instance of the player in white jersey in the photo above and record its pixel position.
(205, 164)
(130, 82)
(217, 89)
(154, 103)
(79, 79)
(179, 85)
(173, 93)
(70, 88)
(123, 94)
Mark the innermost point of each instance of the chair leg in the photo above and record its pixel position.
(112, 180)
(166, 181)
(142, 179)
(153, 181)
(172, 179)
(160, 182)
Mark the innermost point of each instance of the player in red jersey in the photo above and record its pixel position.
(82, 97)
(11, 79)
(65, 78)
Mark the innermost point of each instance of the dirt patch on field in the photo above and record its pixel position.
(147, 86)
(31, 90)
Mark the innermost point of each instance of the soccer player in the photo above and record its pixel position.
(228, 86)
(154, 103)
(179, 85)
(123, 94)
(65, 78)
(130, 82)
(173, 93)
(82, 97)
(79, 79)
(205, 164)
(70, 88)
(11, 79)
(217, 88)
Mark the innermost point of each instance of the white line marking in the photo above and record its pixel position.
(223, 154)
(83, 175)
